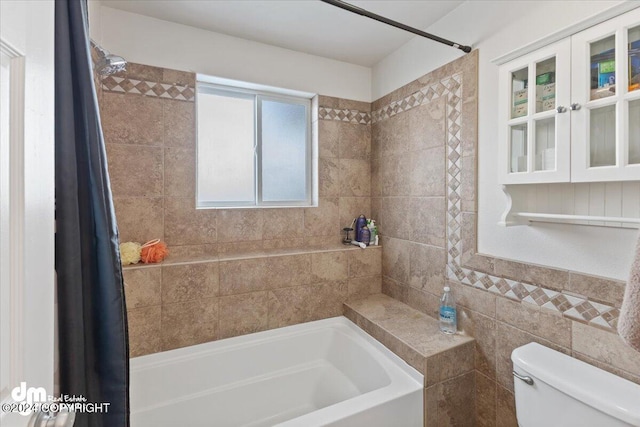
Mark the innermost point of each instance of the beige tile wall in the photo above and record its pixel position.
(176, 305)
(414, 260)
(151, 152)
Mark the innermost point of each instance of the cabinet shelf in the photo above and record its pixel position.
(542, 217)
(611, 204)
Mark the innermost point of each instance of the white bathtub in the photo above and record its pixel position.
(323, 373)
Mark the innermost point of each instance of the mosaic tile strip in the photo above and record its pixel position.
(344, 115)
(147, 88)
(425, 95)
(576, 308)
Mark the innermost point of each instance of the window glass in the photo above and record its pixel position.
(253, 148)
(284, 151)
(225, 148)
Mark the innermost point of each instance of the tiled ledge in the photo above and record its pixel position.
(250, 255)
(413, 336)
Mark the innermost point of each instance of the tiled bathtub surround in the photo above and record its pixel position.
(230, 271)
(180, 304)
(420, 154)
(429, 239)
(150, 134)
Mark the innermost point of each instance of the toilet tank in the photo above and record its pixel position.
(569, 393)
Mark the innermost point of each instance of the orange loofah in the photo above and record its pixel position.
(154, 251)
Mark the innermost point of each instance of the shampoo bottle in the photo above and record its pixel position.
(365, 235)
(361, 221)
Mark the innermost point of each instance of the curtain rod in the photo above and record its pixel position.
(355, 9)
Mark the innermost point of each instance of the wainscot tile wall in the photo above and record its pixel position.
(424, 138)
(173, 305)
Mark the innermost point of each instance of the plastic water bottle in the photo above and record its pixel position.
(448, 313)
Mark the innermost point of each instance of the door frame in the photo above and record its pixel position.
(27, 38)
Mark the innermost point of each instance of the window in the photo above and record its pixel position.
(254, 148)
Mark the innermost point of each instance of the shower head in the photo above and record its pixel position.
(106, 63)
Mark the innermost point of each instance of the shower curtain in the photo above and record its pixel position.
(92, 324)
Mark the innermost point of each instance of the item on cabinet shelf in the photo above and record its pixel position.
(546, 105)
(130, 252)
(154, 251)
(634, 65)
(607, 73)
(448, 313)
(603, 74)
(365, 235)
(520, 110)
(347, 238)
(546, 78)
(544, 92)
(360, 222)
(520, 97)
(602, 92)
(374, 232)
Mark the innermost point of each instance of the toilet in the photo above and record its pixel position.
(555, 390)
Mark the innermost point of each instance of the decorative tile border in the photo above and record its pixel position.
(344, 115)
(420, 97)
(573, 307)
(148, 88)
(423, 96)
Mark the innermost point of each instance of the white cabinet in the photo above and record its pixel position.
(535, 93)
(605, 87)
(570, 111)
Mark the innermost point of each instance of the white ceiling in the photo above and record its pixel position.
(308, 26)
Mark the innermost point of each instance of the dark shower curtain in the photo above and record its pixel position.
(92, 324)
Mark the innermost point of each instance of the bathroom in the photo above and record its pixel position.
(401, 129)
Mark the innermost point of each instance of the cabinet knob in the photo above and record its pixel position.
(560, 109)
(575, 106)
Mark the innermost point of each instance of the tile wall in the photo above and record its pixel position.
(217, 281)
(428, 221)
(180, 304)
(148, 119)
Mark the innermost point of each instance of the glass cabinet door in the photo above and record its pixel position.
(536, 125)
(633, 55)
(544, 127)
(605, 96)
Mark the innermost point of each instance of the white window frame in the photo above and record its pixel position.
(248, 92)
